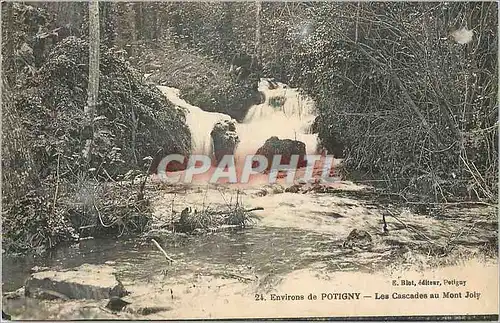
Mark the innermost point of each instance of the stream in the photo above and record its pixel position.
(299, 237)
(254, 251)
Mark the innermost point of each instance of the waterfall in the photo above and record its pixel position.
(285, 114)
(200, 122)
(289, 117)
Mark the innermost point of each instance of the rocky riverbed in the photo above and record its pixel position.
(307, 239)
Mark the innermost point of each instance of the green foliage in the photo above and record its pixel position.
(47, 193)
(192, 49)
(392, 86)
(396, 93)
(210, 219)
(277, 101)
(105, 208)
(202, 81)
(133, 120)
(32, 223)
(21, 48)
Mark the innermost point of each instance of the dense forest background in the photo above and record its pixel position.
(400, 94)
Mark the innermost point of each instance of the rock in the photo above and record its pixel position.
(259, 98)
(262, 192)
(6, 316)
(36, 269)
(275, 188)
(147, 310)
(47, 294)
(185, 224)
(293, 189)
(15, 294)
(173, 166)
(116, 304)
(284, 147)
(272, 84)
(335, 146)
(225, 139)
(84, 282)
(358, 238)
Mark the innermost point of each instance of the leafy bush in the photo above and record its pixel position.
(203, 82)
(133, 120)
(406, 99)
(33, 223)
(399, 92)
(43, 169)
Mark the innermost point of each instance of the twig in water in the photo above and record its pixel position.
(410, 228)
(385, 223)
(173, 200)
(172, 214)
(162, 250)
(100, 218)
(224, 198)
(239, 277)
(140, 192)
(204, 198)
(258, 208)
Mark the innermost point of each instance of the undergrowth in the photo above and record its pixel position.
(49, 193)
(202, 82)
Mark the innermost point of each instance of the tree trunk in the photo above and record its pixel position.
(257, 58)
(133, 28)
(93, 86)
(107, 23)
(153, 22)
(139, 20)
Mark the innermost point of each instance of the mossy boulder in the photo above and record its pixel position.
(284, 147)
(225, 139)
(132, 120)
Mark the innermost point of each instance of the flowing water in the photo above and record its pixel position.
(290, 118)
(295, 231)
(200, 122)
(251, 252)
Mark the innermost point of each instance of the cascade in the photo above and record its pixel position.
(285, 114)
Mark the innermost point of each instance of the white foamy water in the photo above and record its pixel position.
(290, 120)
(200, 122)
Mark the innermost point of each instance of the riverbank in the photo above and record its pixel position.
(224, 294)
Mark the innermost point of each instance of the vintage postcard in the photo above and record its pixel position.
(249, 160)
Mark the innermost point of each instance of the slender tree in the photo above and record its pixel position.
(93, 86)
(257, 53)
